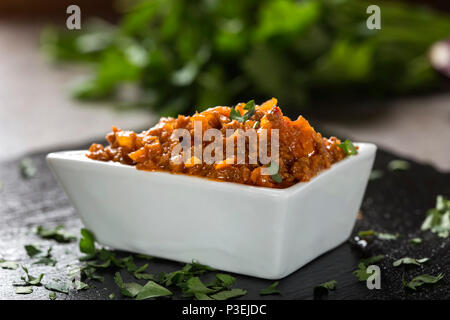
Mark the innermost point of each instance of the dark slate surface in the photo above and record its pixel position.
(395, 203)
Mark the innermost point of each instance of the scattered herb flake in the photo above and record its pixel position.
(229, 294)
(31, 280)
(372, 260)
(112, 296)
(270, 289)
(87, 242)
(27, 168)
(32, 250)
(397, 164)
(361, 273)
(273, 170)
(415, 241)
(236, 115)
(24, 290)
(421, 280)
(225, 280)
(152, 290)
(58, 286)
(325, 287)
(52, 296)
(387, 236)
(11, 265)
(376, 174)
(408, 260)
(195, 285)
(58, 234)
(348, 147)
(438, 218)
(129, 289)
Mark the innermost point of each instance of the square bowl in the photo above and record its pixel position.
(256, 231)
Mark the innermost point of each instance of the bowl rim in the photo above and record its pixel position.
(364, 152)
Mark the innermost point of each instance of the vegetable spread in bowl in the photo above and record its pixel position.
(249, 144)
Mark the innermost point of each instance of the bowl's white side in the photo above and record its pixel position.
(322, 216)
(260, 232)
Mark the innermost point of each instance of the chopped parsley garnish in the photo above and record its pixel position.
(236, 115)
(11, 265)
(27, 168)
(397, 164)
(408, 260)
(229, 294)
(270, 289)
(372, 260)
(132, 289)
(380, 235)
(421, 280)
(438, 218)
(325, 287)
(58, 234)
(31, 280)
(32, 250)
(58, 286)
(24, 290)
(376, 174)
(52, 296)
(152, 290)
(348, 147)
(361, 272)
(129, 289)
(87, 242)
(415, 241)
(273, 170)
(47, 259)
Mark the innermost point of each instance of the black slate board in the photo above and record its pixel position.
(395, 203)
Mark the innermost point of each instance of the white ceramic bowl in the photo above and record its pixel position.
(262, 232)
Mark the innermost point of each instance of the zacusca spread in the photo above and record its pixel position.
(301, 151)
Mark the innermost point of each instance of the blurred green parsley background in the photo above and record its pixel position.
(181, 56)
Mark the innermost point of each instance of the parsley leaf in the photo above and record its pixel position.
(421, 280)
(408, 260)
(58, 234)
(380, 235)
(129, 289)
(228, 294)
(273, 170)
(47, 259)
(152, 290)
(52, 296)
(270, 289)
(361, 273)
(11, 265)
(236, 115)
(376, 174)
(438, 218)
(348, 148)
(27, 168)
(32, 250)
(415, 241)
(395, 165)
(195, 285)
(325, 287)
(31, 280)
(372, 260)
(87, 242)
(58, 286)
(140, 273)
(225, 280)
(24, 290)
